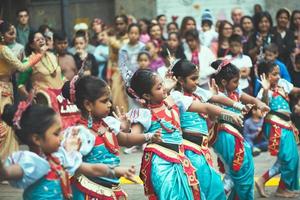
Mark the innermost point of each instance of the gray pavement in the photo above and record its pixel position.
(136, 192)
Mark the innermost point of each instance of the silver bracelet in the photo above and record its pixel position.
(226, 117)
(148, 137)
(111, 172)
(238, 105)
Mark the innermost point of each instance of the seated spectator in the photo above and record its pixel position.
(252, 129)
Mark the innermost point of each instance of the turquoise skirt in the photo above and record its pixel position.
(169, 180)
(288, 157)
(211, 185)
(44, 190)
(244, 178)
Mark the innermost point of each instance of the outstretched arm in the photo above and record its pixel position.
(135, 137)
(98, 170)
(215, 111)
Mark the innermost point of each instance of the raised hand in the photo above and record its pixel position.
(238, 119)
(120, 114)
(170, 80)
(247, 108)
(265, 83)
(44, 49)
(73, 142)
(156, 137)
(213, 87)
(128, 173)
(264, 108)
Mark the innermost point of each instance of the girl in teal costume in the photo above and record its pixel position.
(100, 135)
(167, 173)
(280, 131)
(195, 128)
(233, 151)
(43, 172)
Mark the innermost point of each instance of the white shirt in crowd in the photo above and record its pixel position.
(206, 57)
(241, 61)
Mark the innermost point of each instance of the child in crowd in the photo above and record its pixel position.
(174, 45)
(280, 131)
(65, 60)
(101, 53)
(207, 34)
(172, 27)
(156, 61)
(270, 55)
(199, 55)
(237, 30)
(166, 160)
(44, 171)
(132, 48)
(144, 24)
(143, 60)
(252, 131)
(100, 143)
(83, 58)
(241, 61)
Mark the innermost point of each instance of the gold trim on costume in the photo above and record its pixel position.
(278, 120)
(97, 188)
(170, 153)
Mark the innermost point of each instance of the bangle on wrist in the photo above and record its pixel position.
(148, 137)
(238, 105)
(226, 117)
(111, 172)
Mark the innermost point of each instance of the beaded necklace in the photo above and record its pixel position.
(102, 129)
(159, 120)
(52, 69)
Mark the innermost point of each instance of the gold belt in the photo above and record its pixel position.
(97, 188)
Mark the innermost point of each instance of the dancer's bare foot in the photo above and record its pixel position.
(285, 193)
(260, 186)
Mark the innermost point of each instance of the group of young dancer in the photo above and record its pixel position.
(180, 123)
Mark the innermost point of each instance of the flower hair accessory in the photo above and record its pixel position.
(22, 106)
(72, 88)
(123, 65)
(223, 64)
(73, 81)
(136, 97)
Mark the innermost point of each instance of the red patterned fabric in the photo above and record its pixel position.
(58, 172)
(145, 173)
(105, 135)
(239, 150)
(68, 111)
